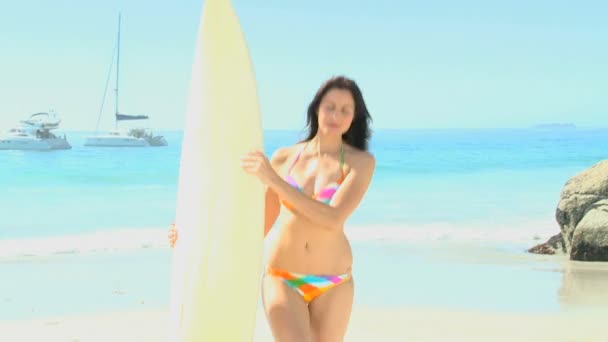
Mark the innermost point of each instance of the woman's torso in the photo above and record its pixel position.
(298, 244)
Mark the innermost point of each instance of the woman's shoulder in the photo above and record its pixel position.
(281, 154)
(359, 157)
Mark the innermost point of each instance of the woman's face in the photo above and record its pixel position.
(336, 112)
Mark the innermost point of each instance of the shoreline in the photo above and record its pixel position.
(125, 239)
(451, 275)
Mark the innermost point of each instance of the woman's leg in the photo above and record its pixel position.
(330, 313)
(286, 311)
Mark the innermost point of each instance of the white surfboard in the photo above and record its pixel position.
(219, 216)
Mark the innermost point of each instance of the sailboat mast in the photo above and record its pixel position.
(117, 72)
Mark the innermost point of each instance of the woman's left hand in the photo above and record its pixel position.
(255, 163)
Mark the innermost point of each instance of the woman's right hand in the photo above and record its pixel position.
(172, 235)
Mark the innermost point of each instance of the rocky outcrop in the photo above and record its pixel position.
(582, 214)
(555, 245)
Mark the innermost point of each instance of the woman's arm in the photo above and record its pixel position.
(271, 209)
(344, 202)
(272, 206)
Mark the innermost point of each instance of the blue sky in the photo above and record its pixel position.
(420, 64)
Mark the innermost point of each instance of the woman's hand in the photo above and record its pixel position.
(255, 163)
(172, 235)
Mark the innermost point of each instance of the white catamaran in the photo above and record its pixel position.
(35, 134)
(135, 137)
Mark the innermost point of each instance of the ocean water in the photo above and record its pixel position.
(448, 215)
(422, 177)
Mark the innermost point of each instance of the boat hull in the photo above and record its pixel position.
(113, 141)
(30, 143)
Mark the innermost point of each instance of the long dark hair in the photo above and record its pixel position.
(359, 132)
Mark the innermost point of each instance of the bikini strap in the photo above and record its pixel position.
(342, 161)
(341, 155)
(296, 159)
(302, 149)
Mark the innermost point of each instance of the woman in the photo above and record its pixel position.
(308, 288)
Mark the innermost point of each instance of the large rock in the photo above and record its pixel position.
(582, 214)
(590, 239)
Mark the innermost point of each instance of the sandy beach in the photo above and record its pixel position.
(446, 292)
(367, 324)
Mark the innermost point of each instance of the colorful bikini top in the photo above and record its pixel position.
(324, 195)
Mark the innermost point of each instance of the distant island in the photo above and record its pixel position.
(560, 126)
